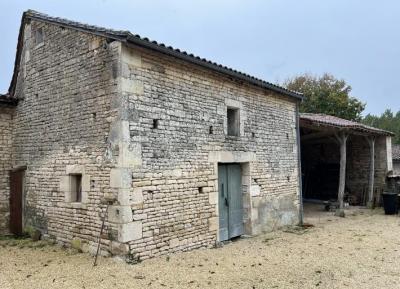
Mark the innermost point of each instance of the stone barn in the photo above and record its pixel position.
(181, 152)
(343, 160)
(394, 177)
(6, 111)
(396, 159)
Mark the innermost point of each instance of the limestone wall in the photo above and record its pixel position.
(358, 167)
(149, 131)
(396, 167)
(66, 86)
(178, 124)
(5, 165)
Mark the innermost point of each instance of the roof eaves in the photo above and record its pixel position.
(137, 40)
(311, 118)
(126, 36)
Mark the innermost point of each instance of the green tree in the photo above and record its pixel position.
(387, 121)
(327, 95)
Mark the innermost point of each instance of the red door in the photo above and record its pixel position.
(16, 191)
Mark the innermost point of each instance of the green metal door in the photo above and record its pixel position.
(230, 201)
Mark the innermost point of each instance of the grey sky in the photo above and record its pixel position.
(272, 39)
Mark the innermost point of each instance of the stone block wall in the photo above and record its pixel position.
(177, 121)
(396, 167)
(5, 165)
(66, 87)
(358, 167)
(146, 131)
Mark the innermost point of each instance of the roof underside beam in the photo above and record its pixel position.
(329, 129)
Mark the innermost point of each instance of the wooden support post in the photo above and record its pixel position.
(342, 139)
(371, 142)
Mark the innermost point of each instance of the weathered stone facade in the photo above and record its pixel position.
(396, 159)
(396, 167)
(146, 132)
(181, 156)
(5, 165)
(61, 126)
(359, 166)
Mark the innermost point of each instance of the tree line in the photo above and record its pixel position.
(329, 95)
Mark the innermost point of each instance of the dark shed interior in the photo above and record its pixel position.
(321, 137)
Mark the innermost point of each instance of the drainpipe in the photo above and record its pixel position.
(301, 211)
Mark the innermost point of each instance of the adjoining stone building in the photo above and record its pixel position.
(394, 177)
(186, 152)
(396, 159)
(6, 110)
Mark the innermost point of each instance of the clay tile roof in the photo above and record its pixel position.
(396, 152)
(126, 36)
(336, 122)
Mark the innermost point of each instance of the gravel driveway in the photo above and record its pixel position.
(359, 251)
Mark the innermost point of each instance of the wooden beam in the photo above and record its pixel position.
(342, 139)
(319, 128)
(316, 135)
(371, 142)
(320, 141)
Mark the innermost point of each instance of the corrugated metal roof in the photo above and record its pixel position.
(396, 152)
(128, 37)
(333, 121)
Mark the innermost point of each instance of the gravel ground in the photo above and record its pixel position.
(359, 251)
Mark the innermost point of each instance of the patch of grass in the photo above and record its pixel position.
(269, 238)
(12, 237)
(298, 230)
(132, 259)
(23, 242)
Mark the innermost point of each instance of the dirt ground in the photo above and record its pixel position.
(359, 251)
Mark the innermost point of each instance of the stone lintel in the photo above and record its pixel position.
(231, 157)
(75, 169)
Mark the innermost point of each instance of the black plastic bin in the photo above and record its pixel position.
(390, 201)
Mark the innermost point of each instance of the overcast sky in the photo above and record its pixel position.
(357, 40)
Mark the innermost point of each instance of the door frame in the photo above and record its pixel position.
(227, 208)
(246, 160)
(18, 170)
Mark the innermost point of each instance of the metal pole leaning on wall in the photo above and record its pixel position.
(101, 233)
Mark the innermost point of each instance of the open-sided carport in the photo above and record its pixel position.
(343, 160)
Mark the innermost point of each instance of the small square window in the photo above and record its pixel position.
(38, 36)
(76, 188)
(233, 121)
